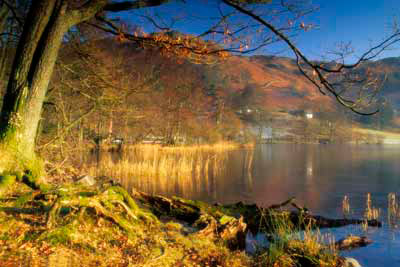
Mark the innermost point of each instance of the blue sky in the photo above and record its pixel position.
(361, 22)
(358, 21)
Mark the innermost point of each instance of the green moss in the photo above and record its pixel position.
(61, 235)
(23, 199)
(35, 166)
(27, 167)
(31, 236)
(6, 180)
(226, 219)
(5, 237)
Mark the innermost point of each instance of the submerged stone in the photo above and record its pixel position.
(351, 262)
(352, 242)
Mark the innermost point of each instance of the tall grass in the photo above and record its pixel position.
(150, 166)
(346, 206)
(373, 213)
(370, 211)
(292, 246)
(393, 211)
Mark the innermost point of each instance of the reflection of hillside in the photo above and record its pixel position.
(283, 171)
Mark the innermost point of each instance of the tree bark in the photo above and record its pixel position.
(31, 72)
(4, 12)
(33, 67)
(3, 16)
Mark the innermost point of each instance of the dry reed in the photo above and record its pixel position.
(371, 212)
(151, 167)
(346, 206)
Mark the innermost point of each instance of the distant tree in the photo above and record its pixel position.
(386, 114)
(382, 119)
(95, 85)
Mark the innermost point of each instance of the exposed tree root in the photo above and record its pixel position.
(264, 219)
(73, 201)
(257, 218)
(103, 222)
(210, 222)
(113, 203)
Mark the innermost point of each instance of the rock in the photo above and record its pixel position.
(231, 230)
(208, 226)
(234, 233)
(351, 242)
(351, 262)
(86, 180)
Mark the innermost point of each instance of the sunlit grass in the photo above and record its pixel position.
(292, 246)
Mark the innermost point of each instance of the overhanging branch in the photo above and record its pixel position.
(130, 5)
(319, 78)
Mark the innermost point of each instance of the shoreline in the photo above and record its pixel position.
(198, 233)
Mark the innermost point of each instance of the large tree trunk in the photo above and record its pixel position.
(4, 43)
(31, 72)
(4, 11)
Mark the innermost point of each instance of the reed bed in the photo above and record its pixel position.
(153, 167)
(217, 147)
(392, 210)
(346, 206)
(370, 211)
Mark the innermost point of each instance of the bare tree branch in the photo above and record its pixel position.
(14, 13)
(152, 21)
(320, 77)
(129, 5)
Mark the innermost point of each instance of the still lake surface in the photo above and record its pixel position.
(319, 176)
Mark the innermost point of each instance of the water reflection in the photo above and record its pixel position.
(190, 173)
(319, 176)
